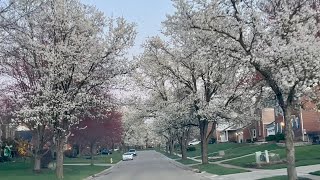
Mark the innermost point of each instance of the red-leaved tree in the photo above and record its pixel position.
(98, 130)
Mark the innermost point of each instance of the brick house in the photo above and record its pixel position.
(257, 130)
(225, 132)
(228, 134)
(305, 123)
(253, 131)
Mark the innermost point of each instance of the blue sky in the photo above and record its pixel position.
(147, 14)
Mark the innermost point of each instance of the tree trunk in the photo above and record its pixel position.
(251, 135)
(123, 146)
(80, 151)
(92, 154)
(39, 142)
(183, 140)
(37, 163)
(203, 125)
(204, 152)
(112, 144)
(183, 148)
(167, 147)
(171, 146)
(59, 169)
(291, 168)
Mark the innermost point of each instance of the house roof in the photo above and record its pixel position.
(22, 128)
(25, 135)
(271, 125)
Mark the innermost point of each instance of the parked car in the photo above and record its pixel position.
(194, 142)
(133, 151)
(127, 156)
(105, 151)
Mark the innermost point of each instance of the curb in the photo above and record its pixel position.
(102, 172)
(180, 165)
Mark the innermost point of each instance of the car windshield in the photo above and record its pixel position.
(132, 150)
(127, 153)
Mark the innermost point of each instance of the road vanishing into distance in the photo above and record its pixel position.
(148, 165)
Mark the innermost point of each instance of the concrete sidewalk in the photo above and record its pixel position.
(303, 171)
(88, 164)
(225, 165)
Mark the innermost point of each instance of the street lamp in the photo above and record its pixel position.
(282, 126)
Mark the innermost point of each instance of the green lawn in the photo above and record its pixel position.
(305, 155)
(187, 161)
(116, 157)
(283, 178)
(316, 173)
(214, 148)
(247, 149)
(23, 171)
(216, 169)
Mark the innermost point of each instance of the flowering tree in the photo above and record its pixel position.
(41, 134)
(278, 39)
(166, 102)
(199, 67)
(62, 56)
(134, 127)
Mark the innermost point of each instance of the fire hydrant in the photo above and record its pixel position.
(111, 160)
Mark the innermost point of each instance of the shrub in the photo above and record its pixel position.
(191, 148)
(279, 137)
(46, 158)
(271, 138)
(212, 141)
(249, 140)
(70, 154)
(176, 146)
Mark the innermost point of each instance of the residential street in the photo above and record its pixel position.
(146, 166)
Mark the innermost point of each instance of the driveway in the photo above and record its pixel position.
(149, 165)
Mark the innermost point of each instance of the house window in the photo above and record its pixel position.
(254, 133)
(297, 122)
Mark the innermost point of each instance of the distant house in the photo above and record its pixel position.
(228, 134)
(305, 123)
(7, 131)
(258, 130)
(25, 135)
(252, 131)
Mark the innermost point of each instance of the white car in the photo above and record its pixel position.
(194, 142)
(127, 156)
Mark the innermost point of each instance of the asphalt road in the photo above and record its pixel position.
(148, 165)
